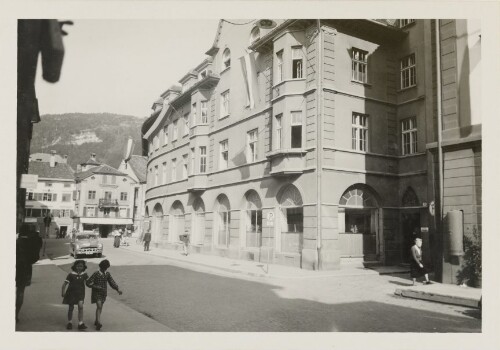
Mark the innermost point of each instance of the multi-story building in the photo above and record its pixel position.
(460, 143)
(135, 167)
(103, 197)
(53, 195)
(234, 151)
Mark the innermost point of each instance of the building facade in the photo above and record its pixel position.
(53, 195)
(234, 151)
(103, 198)
(135, 167)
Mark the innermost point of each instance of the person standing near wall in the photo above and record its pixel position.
(147, 240)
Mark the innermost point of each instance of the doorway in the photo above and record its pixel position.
(410, 222)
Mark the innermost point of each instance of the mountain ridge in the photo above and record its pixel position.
(77, 135)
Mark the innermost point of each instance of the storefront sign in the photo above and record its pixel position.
(424, 229)
(29, 181)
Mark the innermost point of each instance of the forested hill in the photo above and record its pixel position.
(80, 134)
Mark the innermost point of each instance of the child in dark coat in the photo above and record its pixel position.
(99, 284)
(75, 294)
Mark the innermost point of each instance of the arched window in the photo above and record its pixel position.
(410, 198)
(146, 224)
(357, 197)
(355, 212)
(292, 227)
(222, 220)
(226, 59)
(176, 222)
(253, 219)
(254, 35)
(157, 222)
(198, 222)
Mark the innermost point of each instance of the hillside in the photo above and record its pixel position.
(79, 134)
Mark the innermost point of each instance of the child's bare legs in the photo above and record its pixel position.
(99, 304)
(414, 281)
(80, 312)
(70, 313)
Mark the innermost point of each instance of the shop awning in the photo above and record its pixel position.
(106, 221)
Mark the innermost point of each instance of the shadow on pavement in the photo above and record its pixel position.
(401, 283)
(191, 301)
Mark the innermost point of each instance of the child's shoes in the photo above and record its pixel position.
(82, 326)
(69, 325)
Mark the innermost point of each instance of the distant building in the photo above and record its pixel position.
(135, 168)
(104, 197)
(315, 142)
(45, 157)
(53, 195)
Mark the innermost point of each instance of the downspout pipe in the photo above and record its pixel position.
(319, 139)
(439, 122)
(440, 146)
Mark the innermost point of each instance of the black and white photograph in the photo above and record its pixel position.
(250, 178)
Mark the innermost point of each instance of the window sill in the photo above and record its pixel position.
(225, 70)
(407, 88)
(361, 83)
(277, 84)
(280, 152)
(224, 117)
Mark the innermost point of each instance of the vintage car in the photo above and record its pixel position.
(85, 243)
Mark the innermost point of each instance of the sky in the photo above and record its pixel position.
(122, 66)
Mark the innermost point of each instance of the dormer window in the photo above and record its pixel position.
(203, 74)
(226, 59)
(254, 35)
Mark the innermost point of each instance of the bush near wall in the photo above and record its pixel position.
(471, 272)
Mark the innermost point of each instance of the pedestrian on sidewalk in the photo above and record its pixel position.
(147, 240)
(185, 241)
(75, 293)
(117, 239)
(99, 284)
(417, 268)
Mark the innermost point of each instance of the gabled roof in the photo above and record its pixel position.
(91, 162)
(45, 157)
(43, 170)
(139, 166)
(103, 169)
(215, 46)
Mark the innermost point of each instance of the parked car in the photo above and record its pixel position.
(85, 243)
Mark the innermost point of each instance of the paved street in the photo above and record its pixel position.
(172, 295)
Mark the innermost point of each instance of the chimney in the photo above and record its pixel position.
(92, 156)
(66, 158)
(52, 159)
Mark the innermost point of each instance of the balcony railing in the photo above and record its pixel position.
(108, 203)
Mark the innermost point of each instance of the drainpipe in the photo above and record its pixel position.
(319, 140)
(439, 121)
(439, 141)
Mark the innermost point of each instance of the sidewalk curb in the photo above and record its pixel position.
(325, 274)
(438, 297)
(190, 262)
